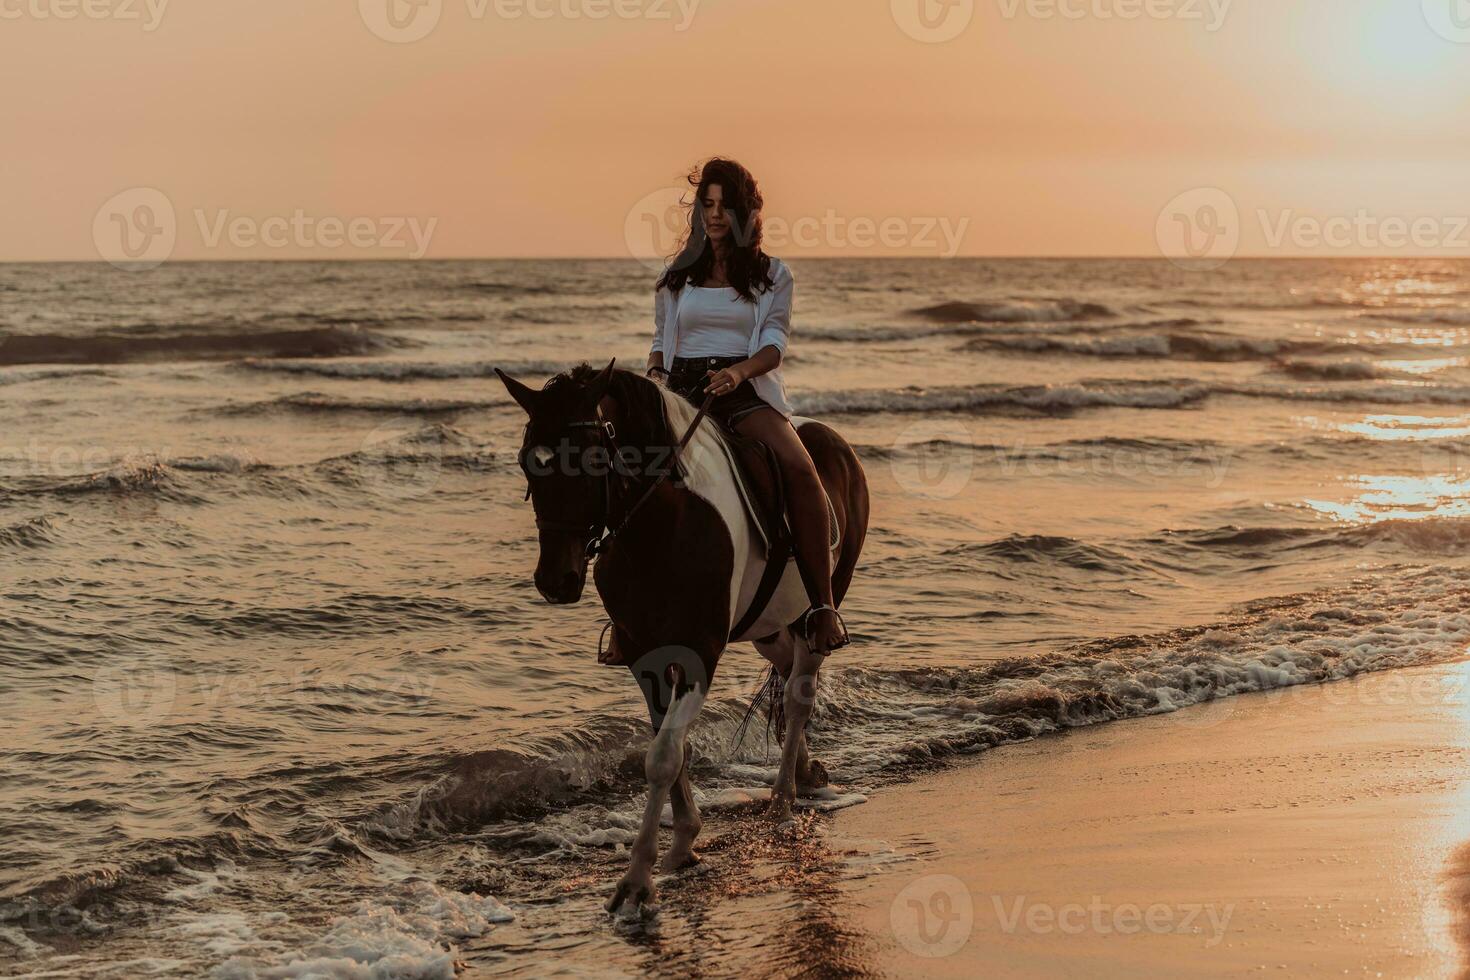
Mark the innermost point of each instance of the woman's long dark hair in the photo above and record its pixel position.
(747, 267)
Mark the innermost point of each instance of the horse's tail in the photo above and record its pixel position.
(776, 706)
(773, 692)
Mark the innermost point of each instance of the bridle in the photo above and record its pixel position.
(607, 436)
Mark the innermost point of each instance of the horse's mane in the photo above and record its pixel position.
(658, 416)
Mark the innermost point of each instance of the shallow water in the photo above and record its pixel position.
(270, 648)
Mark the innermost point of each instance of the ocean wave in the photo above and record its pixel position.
(409, 931)
(1438, 316)
(1039, 398)
(349, 615)
(144, 474)
(580, 788)
(566, 313)
(333, 341)
(404, 370)
(1187, 450)
(1436, 536)
(1015, 311)
(1112, 393)
(1338, 371)
(1052, 550)
(1384, 393)
(311, 401)
(874, 723)
(12, 377)
(34, 533)
(911, 331)
(507, 288)
(1196, 346)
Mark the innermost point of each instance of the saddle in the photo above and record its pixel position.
(758, 478)
(758, 474)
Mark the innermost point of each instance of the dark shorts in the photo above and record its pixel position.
(687, 377)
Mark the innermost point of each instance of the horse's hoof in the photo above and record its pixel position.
(779, 811)
(815, 777)
(674, 861)
(634, 893)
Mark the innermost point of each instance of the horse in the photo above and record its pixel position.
(682, 559)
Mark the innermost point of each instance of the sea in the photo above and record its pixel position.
(280, 698)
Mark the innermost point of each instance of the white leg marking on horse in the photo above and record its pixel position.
(800, 700)
(662, 765)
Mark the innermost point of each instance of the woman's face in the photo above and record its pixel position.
(716, 218)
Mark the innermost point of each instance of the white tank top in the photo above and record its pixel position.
(714, 322)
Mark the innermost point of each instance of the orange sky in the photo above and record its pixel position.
(1044, 127)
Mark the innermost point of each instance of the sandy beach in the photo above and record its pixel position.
(1310, 831)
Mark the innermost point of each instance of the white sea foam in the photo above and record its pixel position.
(409, 934)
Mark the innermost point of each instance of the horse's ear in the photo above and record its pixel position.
(523, 395)
(600, 384)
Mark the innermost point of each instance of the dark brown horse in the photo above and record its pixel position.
(678, 569)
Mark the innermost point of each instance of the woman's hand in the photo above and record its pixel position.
(725, 380)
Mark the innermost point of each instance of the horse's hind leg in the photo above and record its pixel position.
(686, 821)
(780, 651)
(799, 699)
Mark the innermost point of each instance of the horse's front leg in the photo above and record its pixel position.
(664, 767)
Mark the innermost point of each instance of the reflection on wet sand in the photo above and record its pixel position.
(766, 901)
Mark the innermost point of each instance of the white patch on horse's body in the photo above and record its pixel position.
(710, 475)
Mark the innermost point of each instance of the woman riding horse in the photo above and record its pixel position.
(722, 311)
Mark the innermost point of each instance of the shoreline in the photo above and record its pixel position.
(1308, 830)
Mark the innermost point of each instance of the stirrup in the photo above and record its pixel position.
(806, 631)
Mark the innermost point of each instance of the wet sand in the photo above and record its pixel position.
(1310, 831)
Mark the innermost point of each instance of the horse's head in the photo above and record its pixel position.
(564, 440)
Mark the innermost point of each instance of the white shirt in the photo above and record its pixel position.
(715, 322)
(772, 328)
